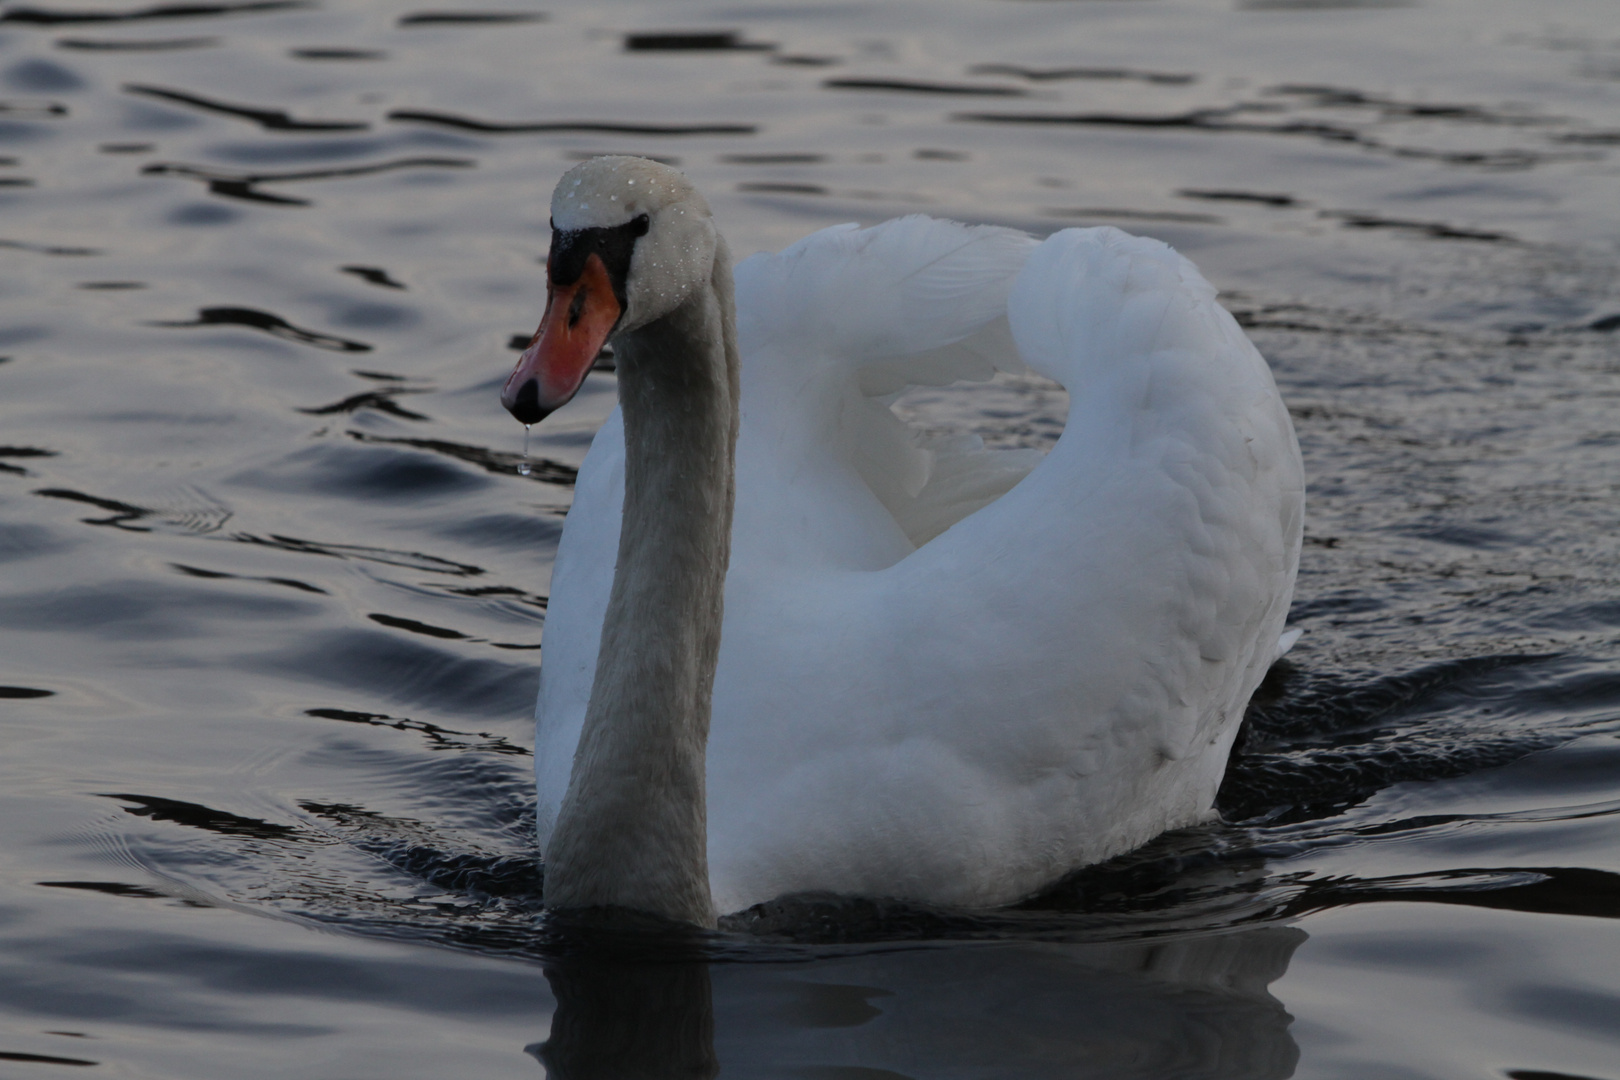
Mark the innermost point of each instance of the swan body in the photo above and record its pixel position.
(946, 673)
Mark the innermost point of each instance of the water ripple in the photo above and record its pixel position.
(269, 119)
(704, 41)
(136, 45)
(470, 18)
(380, 400)
(503, 462)
(274, 325)
(1062, 73)
(497, 127)
(245, 185)
(36, 16)
(912, 86)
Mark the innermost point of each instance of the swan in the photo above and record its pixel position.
(794, 646)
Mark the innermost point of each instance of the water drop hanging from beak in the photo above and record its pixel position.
(523, 466)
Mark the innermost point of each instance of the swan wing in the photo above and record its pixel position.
(1055, 678)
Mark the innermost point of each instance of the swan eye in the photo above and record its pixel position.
(640, 224)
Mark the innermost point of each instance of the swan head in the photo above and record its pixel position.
(631, 241)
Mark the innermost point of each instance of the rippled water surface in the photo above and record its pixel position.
(273, 588)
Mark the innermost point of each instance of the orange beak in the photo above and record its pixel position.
(577, 322)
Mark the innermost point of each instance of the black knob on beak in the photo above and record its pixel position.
(525, 404)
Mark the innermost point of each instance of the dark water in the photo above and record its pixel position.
(273, 588)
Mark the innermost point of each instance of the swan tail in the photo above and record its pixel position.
(1287, 640)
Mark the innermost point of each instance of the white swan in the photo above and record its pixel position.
(944, 673)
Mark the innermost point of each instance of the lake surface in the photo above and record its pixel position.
(272, 588)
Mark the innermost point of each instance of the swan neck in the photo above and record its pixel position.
(632, 828)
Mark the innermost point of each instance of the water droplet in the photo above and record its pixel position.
(523, 466)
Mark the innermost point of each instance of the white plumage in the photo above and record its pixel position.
(946, 673)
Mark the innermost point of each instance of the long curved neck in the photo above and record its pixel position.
(632, 829)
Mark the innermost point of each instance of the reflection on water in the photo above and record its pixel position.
(275, 577)
(631, 1020)
(1183, 1007)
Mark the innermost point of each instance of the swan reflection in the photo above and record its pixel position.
(1189, 1007)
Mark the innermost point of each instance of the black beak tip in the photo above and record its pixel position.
(525, 404)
